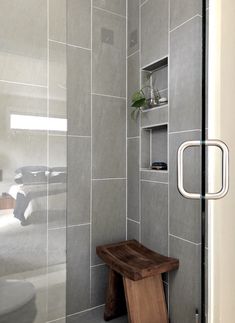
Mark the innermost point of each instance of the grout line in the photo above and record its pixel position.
(137, 137)
(126, 34)
(141, 4)
(25, 84)
(91, 160)
(168, 148)
(111, 12)
(149, 181)
(98, 265)
(183, 131)
(69, 226)
(109, 96)
(56, 320)
(85, 311)
(133, 221)
(77, 136)
(70, 45)
(135, 52)
(109, 179)
(185, 22)
(47, 157)
(51, 134)
(139, 127)
(163, 91)
(191, 242)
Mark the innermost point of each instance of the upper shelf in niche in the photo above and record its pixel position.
(156, 65)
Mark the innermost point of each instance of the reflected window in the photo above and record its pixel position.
(29, 122)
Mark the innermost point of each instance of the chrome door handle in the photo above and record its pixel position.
(225, 169)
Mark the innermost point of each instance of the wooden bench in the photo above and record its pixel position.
(135, 282)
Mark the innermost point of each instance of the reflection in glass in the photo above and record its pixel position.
(33, 166)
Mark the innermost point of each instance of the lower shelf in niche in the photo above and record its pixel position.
(153, 170)
(148, 174)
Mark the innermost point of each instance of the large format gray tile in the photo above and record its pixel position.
(116, 6)
(78, 268)
(185, 76)
(93, 316)
(79, 23)
(182, 10)
(57, 20)
(133, 179)
(133, 26)
(56, 248)
(185, 213)
(109, 214)
(79, 180)
(57, 80)
(99, 281)
(79, 91)
(56, 302)
(133, 76)
(133, 230)
(109, 137)
(23, 38)
(109, 54)
(57, 157)
(56, 274)
(154, 216)
(154, 31)
(184, 284)
(133, 85)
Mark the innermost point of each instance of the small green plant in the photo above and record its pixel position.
(139, 101)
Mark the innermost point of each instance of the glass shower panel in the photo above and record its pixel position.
(33, 132)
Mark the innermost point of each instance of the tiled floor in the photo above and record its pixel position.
(94, 316)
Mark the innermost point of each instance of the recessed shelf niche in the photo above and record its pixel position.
(159, 71)
(154, 146)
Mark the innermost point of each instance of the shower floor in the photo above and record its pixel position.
(94, 316)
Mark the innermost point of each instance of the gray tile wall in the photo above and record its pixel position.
(154, 31)
(167, 222)
(96, 145)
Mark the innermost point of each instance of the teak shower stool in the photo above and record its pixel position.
(135, 282)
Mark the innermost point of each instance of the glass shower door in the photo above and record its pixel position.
(33, 126)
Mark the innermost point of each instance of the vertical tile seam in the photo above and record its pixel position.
(47, 157)
(140, 130)
(126, 34)
(91, 182)
(168, 143)
(67, 155)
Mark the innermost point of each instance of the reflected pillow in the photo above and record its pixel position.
(58, 175)
(31, 175)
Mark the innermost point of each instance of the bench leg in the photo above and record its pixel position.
(115, 299)
(146, 300)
